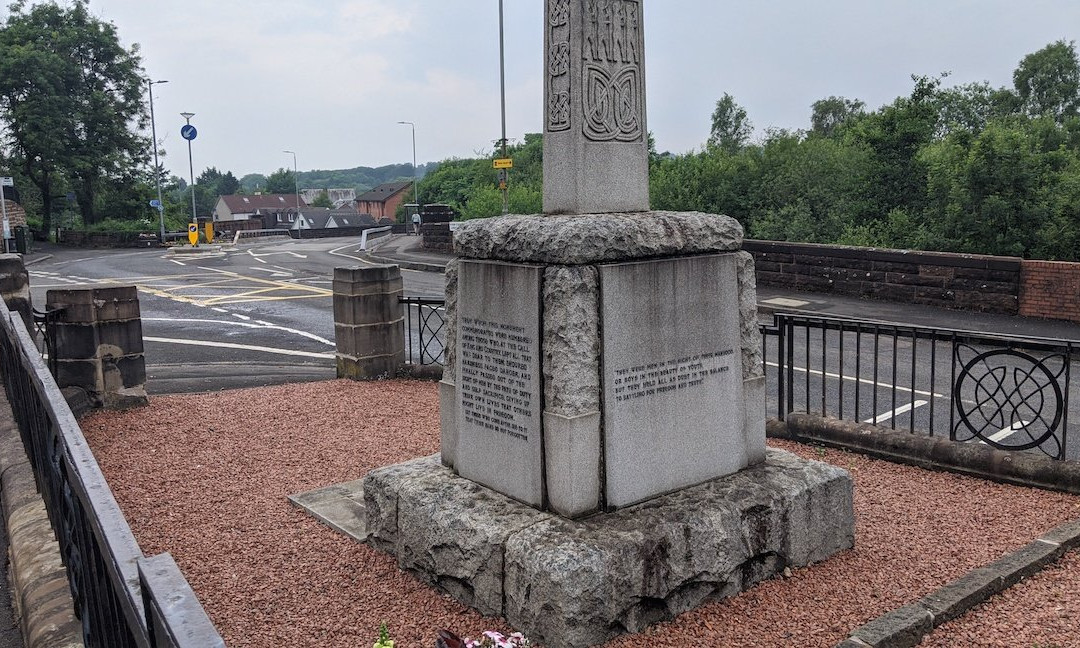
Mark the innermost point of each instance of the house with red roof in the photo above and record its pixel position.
(242, 207)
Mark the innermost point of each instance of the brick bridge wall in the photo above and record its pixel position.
(1050, 289)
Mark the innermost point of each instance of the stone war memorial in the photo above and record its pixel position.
(603, 462)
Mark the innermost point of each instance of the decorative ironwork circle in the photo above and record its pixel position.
(1003, 401)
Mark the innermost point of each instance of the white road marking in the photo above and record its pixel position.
(1005, 433)
(239, 316)
(245, 347)
(866, 381)
(219, 310)
(337, 252)
(178, 262)
(896, 412)
(274, 273)
(258, 324)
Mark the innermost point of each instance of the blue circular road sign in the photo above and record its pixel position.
(188, 132)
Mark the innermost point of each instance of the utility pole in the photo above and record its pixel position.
(157, 168)
(504, 179)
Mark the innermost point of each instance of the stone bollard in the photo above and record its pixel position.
(99, 344)
(15, 287)
(368, 322)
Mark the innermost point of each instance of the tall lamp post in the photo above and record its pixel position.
(157, 168)
(415, 184)
(502, 92)
(296, 180)
(191, 166)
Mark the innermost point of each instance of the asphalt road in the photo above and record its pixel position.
(245, 317)
(263, 315)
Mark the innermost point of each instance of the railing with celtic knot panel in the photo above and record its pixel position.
(425, 330)
(1007, 392)
(121, 597)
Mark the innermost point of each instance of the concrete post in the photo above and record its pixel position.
(15, 287)
(99, 344)
(368, 322)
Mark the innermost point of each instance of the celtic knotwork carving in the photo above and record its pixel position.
(560, 13)
(559, 111)
(1009, 399)
(611, 103)
(559, 63)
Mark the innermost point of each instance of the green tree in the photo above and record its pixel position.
(71, 98)
(1048, 81)
(282, 181)
(828, 114)
(322, 200)
(731, 128)
(971, 106)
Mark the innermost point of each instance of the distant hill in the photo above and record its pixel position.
(360, 178)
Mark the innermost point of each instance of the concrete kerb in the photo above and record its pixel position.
(41, 595)
(407, 265)
(37, 259)
(908, 625)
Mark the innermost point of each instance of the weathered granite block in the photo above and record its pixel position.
(470, 567)
(593, 238)
(572, 583)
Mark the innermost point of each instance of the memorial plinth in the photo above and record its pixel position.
(652, 375)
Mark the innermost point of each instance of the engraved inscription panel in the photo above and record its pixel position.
(673, 391)
(496, 372)
(612, 87)
(499, 376)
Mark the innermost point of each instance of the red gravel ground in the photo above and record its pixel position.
(206, 476)
(1042, 612)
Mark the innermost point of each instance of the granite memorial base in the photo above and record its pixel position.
(604, 359)
(574, 583)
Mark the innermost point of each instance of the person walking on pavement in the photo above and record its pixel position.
(416, 223)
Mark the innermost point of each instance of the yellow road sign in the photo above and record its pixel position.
(193, 233)
(503, 163)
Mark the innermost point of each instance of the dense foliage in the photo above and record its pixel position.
(968, 168)
(71, 109)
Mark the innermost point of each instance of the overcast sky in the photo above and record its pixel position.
(329, 79)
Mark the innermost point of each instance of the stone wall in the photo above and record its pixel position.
(437, 237)
(964, 281)
(99, 344)
(83, 239)
(15, 213)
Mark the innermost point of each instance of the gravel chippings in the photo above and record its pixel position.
(206, 476)
(1042, 611)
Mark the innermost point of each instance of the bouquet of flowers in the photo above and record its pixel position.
(489, 639)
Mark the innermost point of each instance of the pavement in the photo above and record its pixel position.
(407, 252)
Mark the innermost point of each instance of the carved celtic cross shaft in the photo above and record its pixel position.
(595, 138)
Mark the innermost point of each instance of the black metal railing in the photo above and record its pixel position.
(1008, 392)
(425, 330)
(44, 335)
(107, 573)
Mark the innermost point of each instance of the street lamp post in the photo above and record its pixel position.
(191, 167)
(502, 89)
(415, 184)
(157, 168)
(296, 180)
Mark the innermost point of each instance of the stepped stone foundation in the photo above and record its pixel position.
(573, 583)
